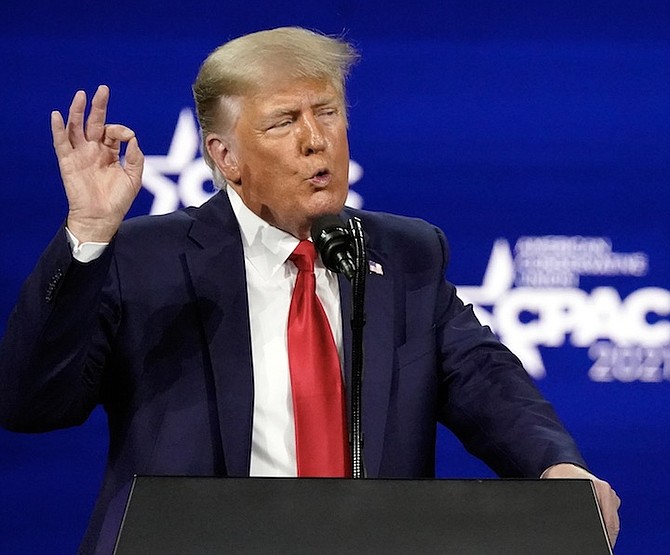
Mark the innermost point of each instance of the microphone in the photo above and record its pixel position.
(335, 245)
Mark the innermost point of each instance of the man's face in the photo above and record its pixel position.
(290, 153)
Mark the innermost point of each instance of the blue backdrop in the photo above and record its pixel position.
(536, 134)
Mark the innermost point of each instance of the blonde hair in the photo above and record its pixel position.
(241, 65)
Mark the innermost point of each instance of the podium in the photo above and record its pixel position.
(199, 515)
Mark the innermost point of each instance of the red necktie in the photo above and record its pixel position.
(316, 381)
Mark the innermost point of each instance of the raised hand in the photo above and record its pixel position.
(99, 188)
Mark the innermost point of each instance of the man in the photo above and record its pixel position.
(180, 325)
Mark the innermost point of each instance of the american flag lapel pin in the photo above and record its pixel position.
(375, 268)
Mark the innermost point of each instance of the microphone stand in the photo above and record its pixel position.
(357, 323)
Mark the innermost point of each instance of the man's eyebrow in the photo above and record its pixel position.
(324, 100)
(283, 111)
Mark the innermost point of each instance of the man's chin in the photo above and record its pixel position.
(326, 204)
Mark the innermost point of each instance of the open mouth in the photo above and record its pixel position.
(321, 177)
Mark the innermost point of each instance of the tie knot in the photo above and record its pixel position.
(304, 256)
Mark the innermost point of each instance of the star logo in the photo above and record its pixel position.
(531, 297)
(182, 178)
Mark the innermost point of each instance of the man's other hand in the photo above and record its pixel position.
(607, 498)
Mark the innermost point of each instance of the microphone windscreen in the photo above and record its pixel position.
(324, 225)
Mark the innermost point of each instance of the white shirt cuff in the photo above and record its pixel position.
(84, 252)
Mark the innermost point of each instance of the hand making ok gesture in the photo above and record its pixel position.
(99, 188)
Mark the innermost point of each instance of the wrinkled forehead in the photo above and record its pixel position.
(281, 96)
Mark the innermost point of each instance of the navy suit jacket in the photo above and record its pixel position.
(157, 330)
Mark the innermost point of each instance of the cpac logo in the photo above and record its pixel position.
(182, 178)
(531, 299)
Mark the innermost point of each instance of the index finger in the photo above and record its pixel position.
(95, 124)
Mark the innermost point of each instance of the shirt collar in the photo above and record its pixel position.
(266, 247)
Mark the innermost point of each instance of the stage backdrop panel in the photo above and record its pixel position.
(536, 135)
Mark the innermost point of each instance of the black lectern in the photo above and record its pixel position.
(177, 515)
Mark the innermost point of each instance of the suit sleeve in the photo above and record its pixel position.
(54, 349)
(488, 400)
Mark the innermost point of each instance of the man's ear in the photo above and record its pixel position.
(223, 157)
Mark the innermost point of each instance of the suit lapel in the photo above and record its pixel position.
(216, 268)
(378, 357)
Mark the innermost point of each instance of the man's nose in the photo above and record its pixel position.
(313, 137)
